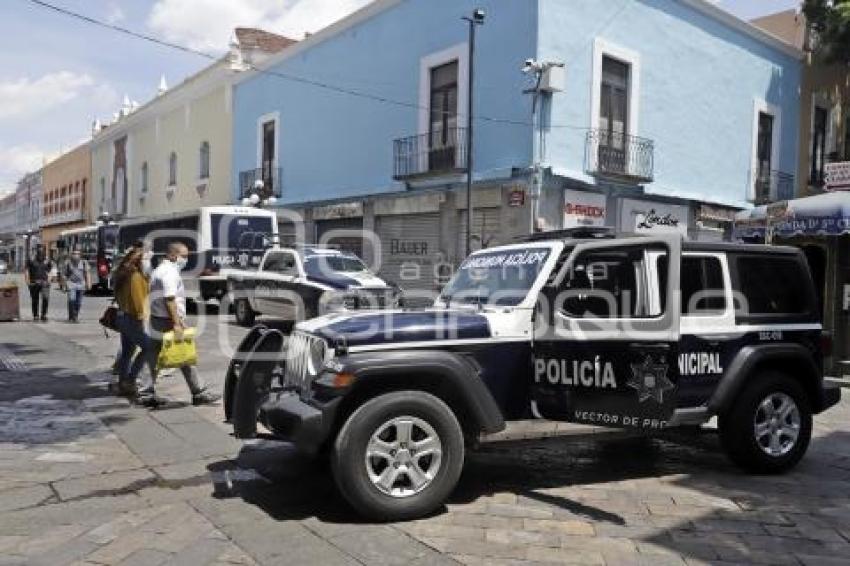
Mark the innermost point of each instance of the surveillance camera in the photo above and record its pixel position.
(478, 15)
(529, 66)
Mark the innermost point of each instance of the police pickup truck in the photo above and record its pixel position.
(643, 333)
(300, 283)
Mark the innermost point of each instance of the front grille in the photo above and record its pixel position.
(299, 349)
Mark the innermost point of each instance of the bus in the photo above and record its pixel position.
(98, 246)
(218, 237)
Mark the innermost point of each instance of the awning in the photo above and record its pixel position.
(827, 214)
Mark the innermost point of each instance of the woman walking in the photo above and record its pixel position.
(131, 294)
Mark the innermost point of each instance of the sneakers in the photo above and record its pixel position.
(150, 401)
(205, 398)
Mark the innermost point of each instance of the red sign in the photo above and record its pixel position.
(516, 197)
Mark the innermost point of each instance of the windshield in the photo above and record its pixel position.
(322, 264)
(501, 278)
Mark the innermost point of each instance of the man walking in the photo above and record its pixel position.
(168, 312)
(75, 280)
(37, 278)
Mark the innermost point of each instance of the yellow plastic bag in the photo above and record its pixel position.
(178, 353)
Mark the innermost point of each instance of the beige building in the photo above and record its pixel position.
(66, 189)
(174, 153)
(825, 100)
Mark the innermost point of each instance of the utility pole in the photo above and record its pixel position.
(540, 73)
(476, 19)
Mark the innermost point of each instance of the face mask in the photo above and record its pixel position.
(181, 262)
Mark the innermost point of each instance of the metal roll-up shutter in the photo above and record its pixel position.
(410, 254)
(486, 229)
(350, 242)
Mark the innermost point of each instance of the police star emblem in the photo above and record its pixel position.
(650, 381)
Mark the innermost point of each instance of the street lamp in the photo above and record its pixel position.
(258, 196)
(475, 19)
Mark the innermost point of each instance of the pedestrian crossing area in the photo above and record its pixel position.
(9, 361)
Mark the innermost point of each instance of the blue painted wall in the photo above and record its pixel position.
(336, 145)
(699, 79)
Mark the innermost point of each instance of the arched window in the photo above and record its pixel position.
(144, 187)
(205, 160)
(172, 169)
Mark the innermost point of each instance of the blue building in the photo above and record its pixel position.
(651, 115)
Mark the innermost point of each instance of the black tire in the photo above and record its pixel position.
(348, 456)
(738, 425)
(245, 315)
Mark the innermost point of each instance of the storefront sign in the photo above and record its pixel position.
(584, 209)
(342, 210)
(646, 217)
(712, 212)
(408, 247)
(516, 197)
(837, 176)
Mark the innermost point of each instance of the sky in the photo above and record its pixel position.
(60, 74)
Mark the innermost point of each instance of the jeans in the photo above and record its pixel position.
(75, 301)
(147, 386)
(40, 291)
(133, 337)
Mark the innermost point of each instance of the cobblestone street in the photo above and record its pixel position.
(87, 479)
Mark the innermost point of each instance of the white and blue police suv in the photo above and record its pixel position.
(642, 333)
(299, 283)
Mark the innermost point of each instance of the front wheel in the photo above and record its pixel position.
(399, 456)
(769, 427)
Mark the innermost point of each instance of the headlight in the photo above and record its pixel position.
(316, 359)
(339, 301)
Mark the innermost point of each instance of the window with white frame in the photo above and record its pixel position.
(766, 178)
(820, 121)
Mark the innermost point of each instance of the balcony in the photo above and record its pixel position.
(772, 186)
(270, 176)
(437, 153)
(619, 156)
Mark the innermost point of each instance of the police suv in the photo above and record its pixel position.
(642, 333)
(297, 283)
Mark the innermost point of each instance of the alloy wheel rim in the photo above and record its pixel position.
(776, 424)
(403, 456)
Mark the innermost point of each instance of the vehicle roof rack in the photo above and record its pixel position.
(577, 233)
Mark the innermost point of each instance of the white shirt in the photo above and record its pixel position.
(167, 282)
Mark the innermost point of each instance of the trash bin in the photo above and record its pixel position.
(9, 303)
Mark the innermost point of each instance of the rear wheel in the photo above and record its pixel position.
(245, 315)
(769, 427)
(399, 456)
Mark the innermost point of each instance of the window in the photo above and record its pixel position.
(772, 285)
(702, 286)
(443, 106)
(102, 192)
(283, 263)
(205, 160)
(819, 126)
(172, 169)
(269, 155)
(764, 149)
(615, 283)
(614, 102)
(144, 175)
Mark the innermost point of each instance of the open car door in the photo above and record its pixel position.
(605, 350)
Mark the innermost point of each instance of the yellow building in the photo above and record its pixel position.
(66, 195)
(825, 105)
(174, 153)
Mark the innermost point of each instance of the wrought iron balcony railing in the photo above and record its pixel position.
(618, 155)
(270, 176)
(772, 186)
(435, 153)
